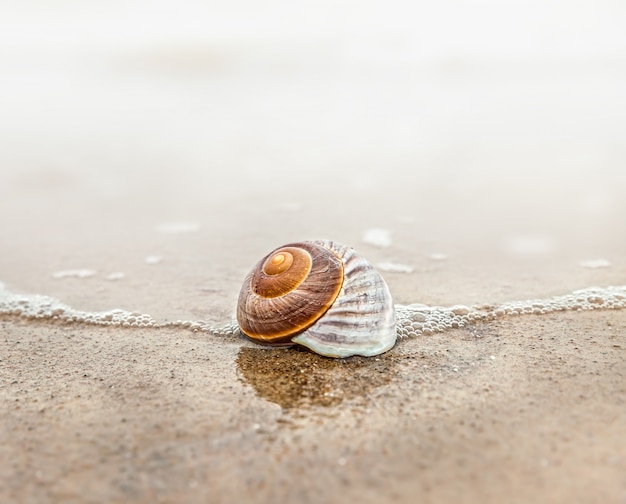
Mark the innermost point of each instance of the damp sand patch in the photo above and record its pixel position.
(295, 377)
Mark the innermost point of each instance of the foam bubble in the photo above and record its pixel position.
(118, 275)
(377, 237)
(153, 259)
(75, 273)
(394, 267)
(595, 263)
(437, 256)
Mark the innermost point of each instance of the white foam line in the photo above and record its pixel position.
(412, 320)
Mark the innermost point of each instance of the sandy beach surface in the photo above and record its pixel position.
(151, 155)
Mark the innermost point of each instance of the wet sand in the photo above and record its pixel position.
(527, 409)
(163, 163)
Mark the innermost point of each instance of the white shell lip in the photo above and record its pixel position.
(369, 350)
(362, 321)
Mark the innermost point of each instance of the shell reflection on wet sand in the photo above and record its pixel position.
(297, 377)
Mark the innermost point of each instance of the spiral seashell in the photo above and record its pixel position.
(319, 294)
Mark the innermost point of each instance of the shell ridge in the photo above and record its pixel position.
(363, 323)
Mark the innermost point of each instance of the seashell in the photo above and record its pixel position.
(319, 294)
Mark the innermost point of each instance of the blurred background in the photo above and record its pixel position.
(458, 125)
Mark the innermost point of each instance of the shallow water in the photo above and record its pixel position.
(150, 171)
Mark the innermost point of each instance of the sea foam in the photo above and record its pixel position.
(412, 320)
